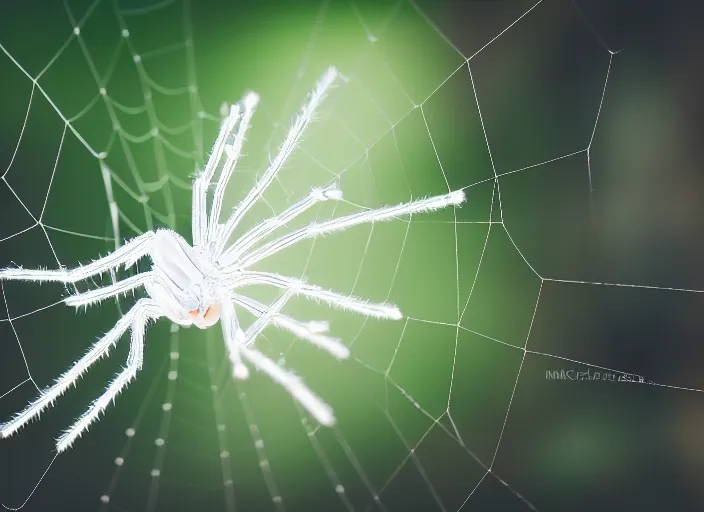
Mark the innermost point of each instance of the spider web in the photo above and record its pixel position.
(529, 367)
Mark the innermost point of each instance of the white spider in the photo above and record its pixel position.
(195, 285)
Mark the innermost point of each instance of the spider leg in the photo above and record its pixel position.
(230, 325)
(309, 291)
(321, 411)
(145, 309)
(291, 382)
(285, 151)
(266, 228)
(99, 294)
(173, 267)
(199, 214)
(233, 153)
(126, 255)
(97, 351)
(306, 331)
(342, 223)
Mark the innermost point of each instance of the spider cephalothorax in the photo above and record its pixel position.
(200, 284)
(190, 277)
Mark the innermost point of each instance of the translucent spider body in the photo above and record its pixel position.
(199, 284)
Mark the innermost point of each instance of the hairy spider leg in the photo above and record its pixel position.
(172, 272)
(199, 215)
(267, 227)
(285, 151)
(126, 255)
(341, 223)
(92, 297)
(238, 277)
(233, 152)
(230, 325)
(307, 331)
(291, 382)
(299, 287)
(145, 310)
(47, 396)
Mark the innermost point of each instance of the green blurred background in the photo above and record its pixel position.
(575, 134)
